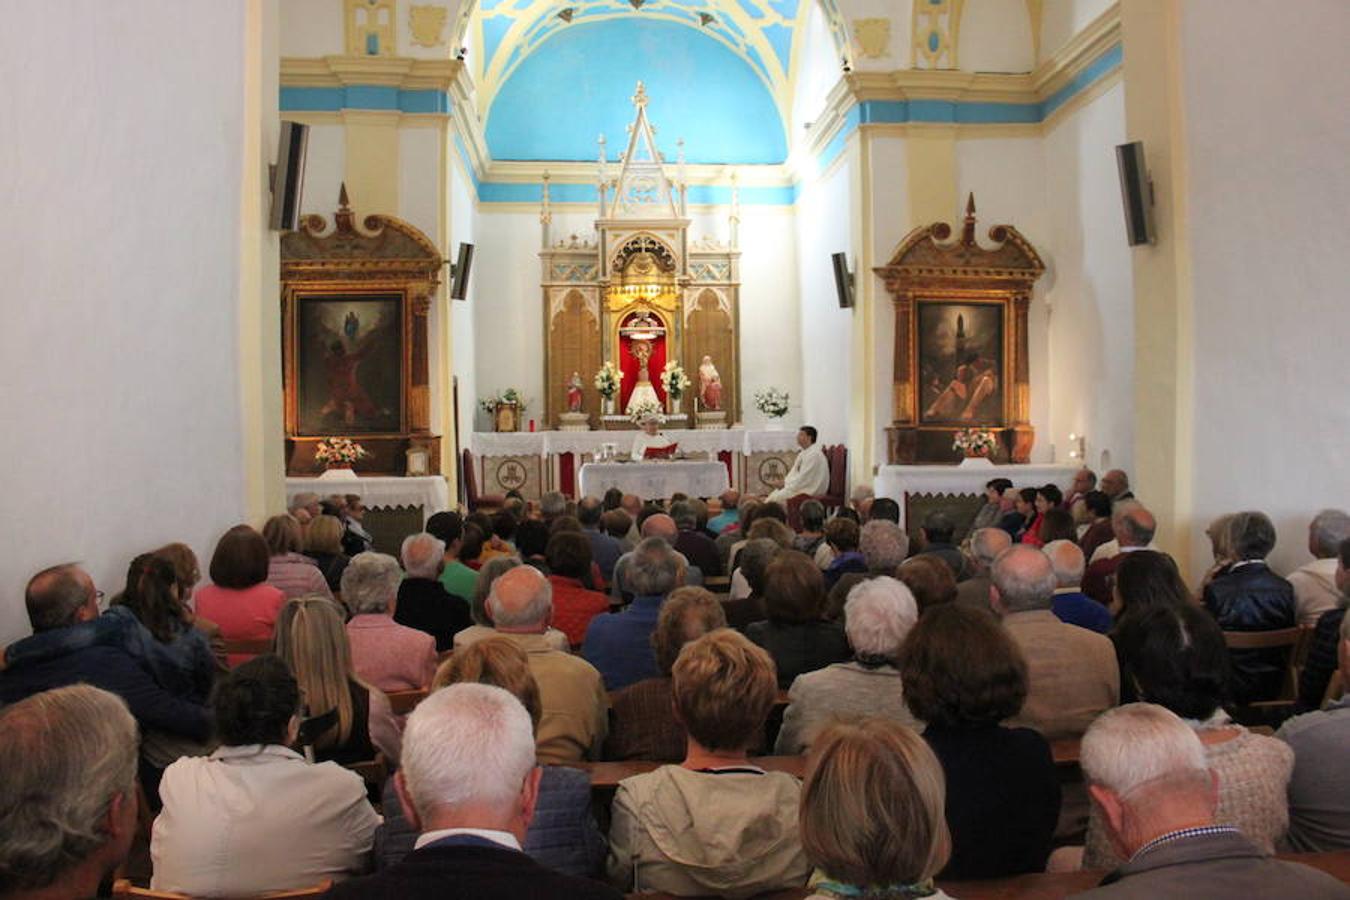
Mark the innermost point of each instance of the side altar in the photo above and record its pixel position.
(641, 302)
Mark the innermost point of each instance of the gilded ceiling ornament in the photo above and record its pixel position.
(873, 37)
(427, 23)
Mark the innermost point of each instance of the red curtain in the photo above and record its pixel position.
(629, 364)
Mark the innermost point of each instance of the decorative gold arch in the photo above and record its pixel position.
(927, 272)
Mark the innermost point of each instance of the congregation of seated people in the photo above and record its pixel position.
(720, 697)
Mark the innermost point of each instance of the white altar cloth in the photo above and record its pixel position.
(655, 480)
(429, 492)
(970, 477)
(548, 443)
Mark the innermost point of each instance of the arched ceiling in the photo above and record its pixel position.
(765, 34)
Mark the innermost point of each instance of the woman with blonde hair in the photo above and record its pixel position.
(871, 818)
(289, 570)
(562, 835)
(323, 546)
(349, 719)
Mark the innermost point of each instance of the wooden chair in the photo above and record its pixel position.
(124, 888)
(1294, 639)
(835, 495)
(372, 771)
(475, 500)
(404, 702)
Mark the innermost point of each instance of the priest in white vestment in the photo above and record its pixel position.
(810, 472)
(650, 436)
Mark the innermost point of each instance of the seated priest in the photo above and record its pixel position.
(649, 437)
(810, 472)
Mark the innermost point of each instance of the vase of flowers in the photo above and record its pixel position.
(974, 443)
(607, 382)
(337, 455)
(773, 403)
(675, 383)
(647, 410)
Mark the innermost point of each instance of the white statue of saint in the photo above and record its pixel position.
(643, 391)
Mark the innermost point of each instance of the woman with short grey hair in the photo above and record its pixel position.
(878, 616)
(386, 654)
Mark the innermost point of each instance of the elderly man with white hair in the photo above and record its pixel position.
(1072, 674)
(1071, 604)
(884, 546)
(68, 795)
(423, 602)
(878, 615)
(1314, 583)
(985, 546)
(469, 783)
(390, 656)
(571, 691)
(305, 507)
(1147, 774)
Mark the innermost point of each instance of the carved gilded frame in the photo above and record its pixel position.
(929, 267)
(385, 256)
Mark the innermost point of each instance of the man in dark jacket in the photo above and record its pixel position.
(61, 603)
(1250, 597)
(469, 784)
(423, 602)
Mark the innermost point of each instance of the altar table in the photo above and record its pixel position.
(899, 483)
(429, 493)
(655, 480)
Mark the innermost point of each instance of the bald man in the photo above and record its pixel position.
(1071, 604)
(1133, 527)
(571, 692)
(1072, 674)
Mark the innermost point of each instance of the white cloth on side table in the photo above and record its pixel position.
(655, 480)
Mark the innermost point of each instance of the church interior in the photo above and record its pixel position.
(521, 229)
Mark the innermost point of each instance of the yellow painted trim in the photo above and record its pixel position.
(1067, 111)
(259, 330)
(443, 387)
(930, 167)
(372, 159)
(402, 72)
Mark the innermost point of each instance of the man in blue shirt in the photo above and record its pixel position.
(1071, 605)
(619, 644)
(604, 549)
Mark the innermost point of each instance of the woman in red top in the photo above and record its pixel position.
(569, 560)
(1047, 498)
(239, 600)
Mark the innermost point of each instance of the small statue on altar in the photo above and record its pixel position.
(709, 385)
(643, 392)
(574, 395)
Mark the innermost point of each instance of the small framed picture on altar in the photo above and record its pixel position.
(419, 462)
(960, 353)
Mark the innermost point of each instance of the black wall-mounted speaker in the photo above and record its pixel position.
(843, 279)
(288, 177)
(1136, 193)
(459, 272)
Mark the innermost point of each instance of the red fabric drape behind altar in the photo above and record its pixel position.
(628, 362)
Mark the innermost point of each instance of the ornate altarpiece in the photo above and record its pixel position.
(641, 281)
(354, 305)
(948, 377)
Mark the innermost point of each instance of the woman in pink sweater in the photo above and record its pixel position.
(239, 600)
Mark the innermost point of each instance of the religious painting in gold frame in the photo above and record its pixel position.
(953, 373)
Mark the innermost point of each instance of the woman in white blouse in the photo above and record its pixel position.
(254, 816)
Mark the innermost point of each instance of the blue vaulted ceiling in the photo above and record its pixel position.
(719, 74)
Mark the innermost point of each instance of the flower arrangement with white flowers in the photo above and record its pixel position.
(674, 380)
(339, 451)
(647, 410)
(974, 442)
(510, 395)
(607, 380)
(772, 402)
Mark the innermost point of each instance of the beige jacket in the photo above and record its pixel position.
(1315, 589)
(1072, 674)
(573, 700)
(729, 834)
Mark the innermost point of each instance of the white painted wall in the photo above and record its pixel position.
(1089, 284)
(825, 225)
(463, 349)
(899, 14)
(121, 248)
(995, 36)
(312, 28)
(770, 344)
(325, 163)
(1267, 197)
(818, 70)
(1062, 19)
